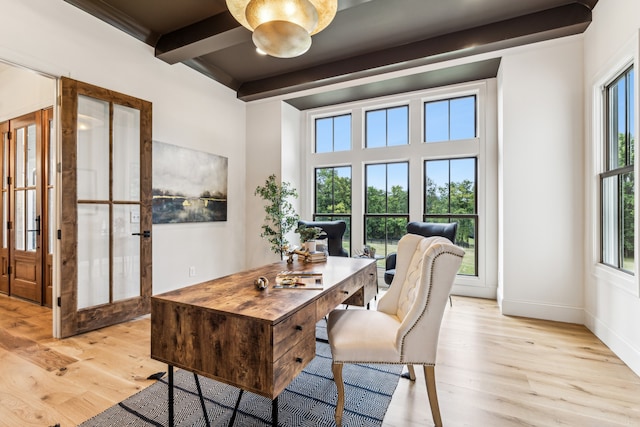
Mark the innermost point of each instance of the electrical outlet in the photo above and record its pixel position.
(192, 271)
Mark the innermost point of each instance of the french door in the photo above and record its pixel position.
(26, 247)
(105, 233)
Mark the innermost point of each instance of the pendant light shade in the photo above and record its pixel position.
(283, 28)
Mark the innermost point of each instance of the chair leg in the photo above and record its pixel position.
(412, 372)
(430, 377)
(337, 378)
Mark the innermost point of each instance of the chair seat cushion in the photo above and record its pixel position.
(366, 336)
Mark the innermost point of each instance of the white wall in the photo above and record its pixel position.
(189, 110)
(540, 161)
(23, 91)
(263, 158)
(612, 303)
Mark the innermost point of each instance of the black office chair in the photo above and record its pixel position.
(334, 230)
(426, 229)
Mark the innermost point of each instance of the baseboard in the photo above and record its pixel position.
(536, 310)
(629, 354)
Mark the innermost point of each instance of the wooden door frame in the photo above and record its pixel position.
(45, 223)
(72, 320)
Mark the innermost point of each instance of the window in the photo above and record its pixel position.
(450, 119)
(333, 134)
(387, 127)
(386, 206)
(385, 154)
(451, 196)
(617, 180)
(333, 198)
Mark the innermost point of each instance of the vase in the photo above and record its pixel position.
(310, 245)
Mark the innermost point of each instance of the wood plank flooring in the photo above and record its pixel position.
(492, 370)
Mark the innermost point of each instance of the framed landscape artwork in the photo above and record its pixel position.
(188, 185)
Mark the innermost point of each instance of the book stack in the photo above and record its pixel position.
(316, 257)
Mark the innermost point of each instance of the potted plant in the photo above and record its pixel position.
(308, 236)
(280, 215)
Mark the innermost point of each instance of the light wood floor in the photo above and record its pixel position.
(492, 371)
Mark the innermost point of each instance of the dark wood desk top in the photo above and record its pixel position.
(236, 293)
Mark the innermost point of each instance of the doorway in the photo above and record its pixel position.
(26, 251)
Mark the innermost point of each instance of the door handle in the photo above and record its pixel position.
(37, 229)
(145, 233)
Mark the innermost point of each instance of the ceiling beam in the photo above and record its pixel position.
(211, 35)
(545, 25)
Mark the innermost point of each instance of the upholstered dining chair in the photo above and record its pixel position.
(405, 327)
(426, 229)
(334, 230)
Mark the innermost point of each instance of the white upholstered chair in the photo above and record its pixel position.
(405, 327)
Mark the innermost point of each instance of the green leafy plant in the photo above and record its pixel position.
(309, 233)
(280, 215)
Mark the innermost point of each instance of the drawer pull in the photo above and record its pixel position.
(345, 292)
(298, 327)
(299, 359)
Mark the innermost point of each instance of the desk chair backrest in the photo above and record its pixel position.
(335, 231)
(429, 229)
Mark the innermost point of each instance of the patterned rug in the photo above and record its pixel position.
(308, 401)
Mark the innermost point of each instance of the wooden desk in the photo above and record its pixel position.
(259, 341)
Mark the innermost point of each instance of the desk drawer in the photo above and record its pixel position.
(293, 329)
(338, 295)
(293, 362)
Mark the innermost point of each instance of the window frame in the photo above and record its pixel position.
(602, 274)
(620, 170)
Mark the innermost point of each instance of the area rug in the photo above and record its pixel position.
(308, 401)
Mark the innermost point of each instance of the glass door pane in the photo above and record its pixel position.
(93, 255)
(32, 222)
(126, 154)
(19, 225)
(126, 251)
(93, 149)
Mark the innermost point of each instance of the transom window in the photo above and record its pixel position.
(450, 119)
(387, 127)
(617, 182)
(333, 134)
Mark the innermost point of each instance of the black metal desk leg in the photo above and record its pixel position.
(204, 407)
(170, 368)
(274, 412)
